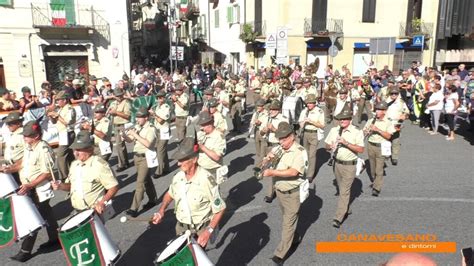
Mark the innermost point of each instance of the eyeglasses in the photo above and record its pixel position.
(393, 93)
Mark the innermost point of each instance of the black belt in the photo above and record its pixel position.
(354, 162)
(375, 144)
(181, 117)
(290, 191)
(140, 155)
(311, 130)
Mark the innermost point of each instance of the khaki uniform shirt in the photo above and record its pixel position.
(275, 121)
(6, 104)
(238, 89)
(267, 89)
(15, 146)
(103, 125)
(384, 125)
(295, 157)
(198, 197)
(222, 96)
(184, 100)
(124, 107)
(300, 93)
(256, 85)
(147, 132)
(352, 134)
(36, 161)
(258, 116)
(68, 113)
(383, 93)
(312, 90)
(315, 115)
(219, 122)
(396, 109)
(215, 142)
(89, 181)
(164, 109)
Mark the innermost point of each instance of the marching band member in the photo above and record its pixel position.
(223, 97)
(346, 141)
(342, 100)
(378, 130)
(397, 112)
(366, 93)
(299, 91)
(198, 204)
(237, 92)
(181, 109)
(256, 87)
(311, 120)
(144, 137)
(269, 128)
(102, 132)
(120, 111)
(65, 120)
(14, 144)
(162, 114)
(268, 90)
(212, 144)
(220, 123)
(309, 88)
(256, 122)
(91, 181)
(208, 95)
(288, 175)
(34, 171)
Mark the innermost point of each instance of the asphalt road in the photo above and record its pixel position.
(430, 191)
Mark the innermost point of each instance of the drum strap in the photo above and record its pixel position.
(184, 199)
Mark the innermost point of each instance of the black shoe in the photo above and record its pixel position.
(375, 192)
(155, 176)
(150, 205)
(296, 240)
(22, 256)
(49, 244)
(131, 213)
(394, 161)
(268, 199)
(336, 223)
(277, 261)
(120, 169)
(337, 193)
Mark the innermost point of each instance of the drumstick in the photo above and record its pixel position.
(124, 219)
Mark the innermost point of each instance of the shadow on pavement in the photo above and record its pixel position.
(247, 239)
(239, 164)
(322, 157)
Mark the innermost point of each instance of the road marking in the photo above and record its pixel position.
(417, 199)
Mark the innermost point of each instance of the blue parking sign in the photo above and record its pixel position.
(418, 40)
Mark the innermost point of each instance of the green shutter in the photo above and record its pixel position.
(216, 19)
(229, 14)
(5, 2)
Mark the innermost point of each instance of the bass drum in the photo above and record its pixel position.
(292, 108)
(183, 250)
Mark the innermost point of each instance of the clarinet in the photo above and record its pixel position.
(370, 132)
(334, 152)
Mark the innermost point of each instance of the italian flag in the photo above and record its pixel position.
(58, 14)
(183, 6)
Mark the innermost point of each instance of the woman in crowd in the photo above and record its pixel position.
(450, 107)
(435, 106)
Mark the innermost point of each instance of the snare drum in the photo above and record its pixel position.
(182, 251)
(9, 185)
(85, 231)
(26, 216)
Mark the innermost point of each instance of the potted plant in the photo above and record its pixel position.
(248, 35)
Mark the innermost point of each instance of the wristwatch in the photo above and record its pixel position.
(210, 229)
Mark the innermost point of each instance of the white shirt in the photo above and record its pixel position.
(449, 106)
(436, 96)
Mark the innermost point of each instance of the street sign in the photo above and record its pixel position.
(179, 53)
(271, 41)
(333, 50)
(418, 40)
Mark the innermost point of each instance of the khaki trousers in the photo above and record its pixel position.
(396, 145)
(235, 114)
(376, 161)
(180, 123)
(363, 104)
(345, 175)
(65, 156)
(260, 148)
(120, 146)
(271, 181)
(144, 183)
(290, 206)
(310, 143)
(163, 161)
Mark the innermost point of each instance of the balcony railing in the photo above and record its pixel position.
(408, 29)
(257, 26)
(198, 34)
(322, 27)
(71, 17)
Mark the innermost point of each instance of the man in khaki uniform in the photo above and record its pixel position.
(34, 169)
(384, 92)
(162, 116)
(64, 120)
(311, 121)
(268, 129)
(288, 176)
(310, 89)
(237, 92)
(220, 122)
(299, 91)
(181, 109)
(346, 141)
(91, 182)
(144, 137)
(378, 130)
(14, 143)
(256, 122)
(6, 103)
(120, 111)
(212, 144)
(208, 95)
(268, 88)
(223, 97)
(366, 93)
(256, 87)
(102, 132)
(397, 112)
(198, 204)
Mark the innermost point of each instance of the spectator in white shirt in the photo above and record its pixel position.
(435, 106)
(450, 107)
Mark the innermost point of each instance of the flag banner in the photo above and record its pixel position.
(7, 228)
(58, 14)
(183, 6)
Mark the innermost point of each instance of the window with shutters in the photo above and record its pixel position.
(233, 14)
(216, 18)
(368, 11)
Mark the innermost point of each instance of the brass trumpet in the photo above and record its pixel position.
(268, 163)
